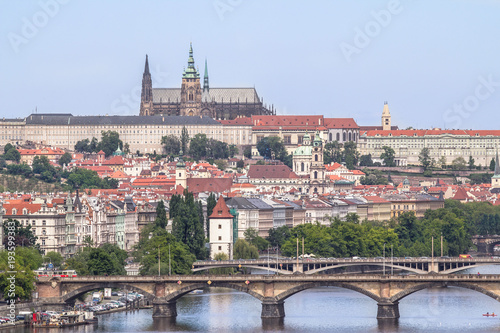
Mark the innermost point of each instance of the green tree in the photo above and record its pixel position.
(332, 152)
(251, 235)
(174, 205)
(459, 163)
(244, 250)
(20, 169)
(12, 155)
(240, 164)
(171, 144)
(442, 162)
(23, 236)
(198, 146)
(65, 159)
(108, 259)
(277, 236)
(233, 150)
(184, 139)
(351, 155)
(425, 158)
(53, 257)
(24, 262)
(156, 243)
(187, 227)
(211, 202)
(110, 141)
(217, 149)
(84, 178)
(247, 152)
(492, 165)
(271, 147)
(388, 156)
(471, 163)
(221, 164)
(352, 218)
(88, 241)
(83, 146)
(366, 160)
(161, 215)
(7, 147)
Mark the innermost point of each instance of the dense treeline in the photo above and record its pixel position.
(407, 235)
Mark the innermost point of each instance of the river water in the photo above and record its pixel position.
(326, 309)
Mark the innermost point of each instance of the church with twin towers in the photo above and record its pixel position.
(193, 99)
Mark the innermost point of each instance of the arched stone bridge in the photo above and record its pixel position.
(272, 291)
(486, 244)
(313, 266)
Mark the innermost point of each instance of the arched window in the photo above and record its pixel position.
(338, 136)
(354, 137)
(302, 166)
(190, 96)
(315, 174)
(350, 138)
(316, 158)
(331, 136)
(343, 137)
(315, 190)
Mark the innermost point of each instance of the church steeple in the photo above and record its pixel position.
(191, 72)
(205, 79)
(146, 66)
(146, 91)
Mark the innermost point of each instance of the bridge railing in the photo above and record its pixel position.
(296, 277)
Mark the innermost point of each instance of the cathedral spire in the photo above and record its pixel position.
(146, 91)
(190, 72)
(146, 66)
(205, 79)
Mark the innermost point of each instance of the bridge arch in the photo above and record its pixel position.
(187, 289)
(387, 266)
(292, 291)
(411, 290)
(463, 268)
(271, 269)
(100, 285)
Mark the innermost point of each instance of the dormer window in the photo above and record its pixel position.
(220, 212)
(14, 211)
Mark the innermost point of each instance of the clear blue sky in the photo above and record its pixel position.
(437, 63)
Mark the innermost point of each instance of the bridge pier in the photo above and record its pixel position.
(163, 308)
(273, 309)
(388, 310)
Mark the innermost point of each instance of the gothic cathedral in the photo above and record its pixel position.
(192, 100)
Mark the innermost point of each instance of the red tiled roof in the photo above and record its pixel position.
(217, 185)
(341, 123)
(220, 211)
(411, 133)
(293, 122)
(271, 171)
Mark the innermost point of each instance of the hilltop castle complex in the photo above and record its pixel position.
(191, 99)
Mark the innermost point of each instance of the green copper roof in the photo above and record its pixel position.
(303, 151)
(191, 72)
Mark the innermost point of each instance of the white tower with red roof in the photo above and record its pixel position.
(221, 230)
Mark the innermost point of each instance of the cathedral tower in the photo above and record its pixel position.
(190, 89)
(386, 118)
(146, 92)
